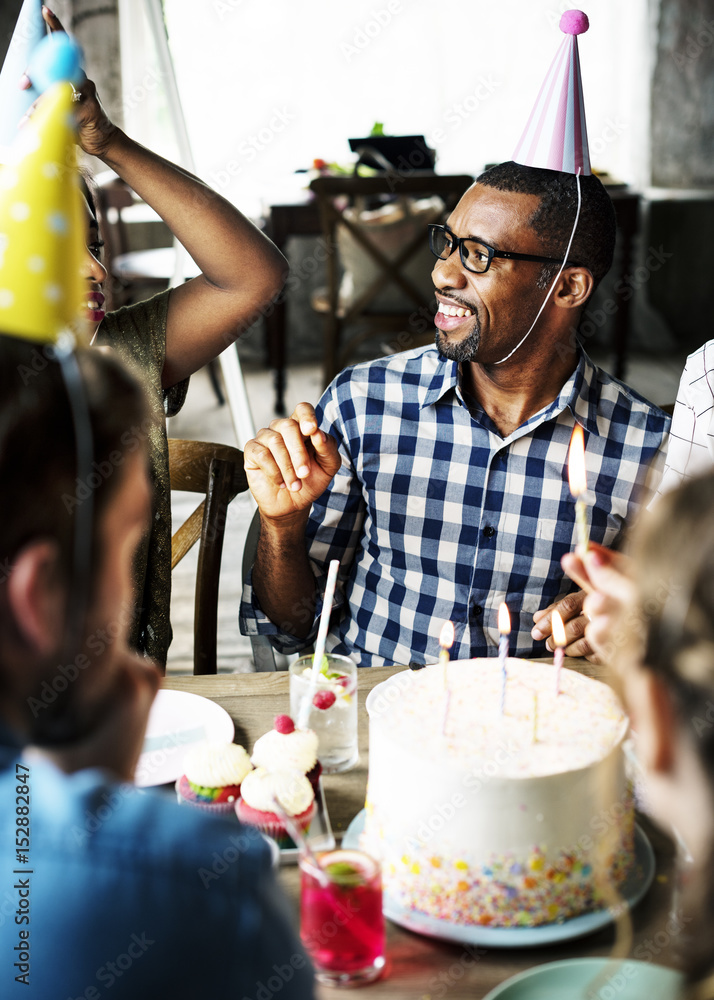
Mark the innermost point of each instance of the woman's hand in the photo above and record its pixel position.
(95, 130)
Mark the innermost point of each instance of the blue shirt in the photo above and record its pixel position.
(128, 894)
(435, 516)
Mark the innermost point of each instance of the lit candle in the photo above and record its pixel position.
(535, 716)
(559, 640)
(446, 641)
(578, 483)
(504, 627)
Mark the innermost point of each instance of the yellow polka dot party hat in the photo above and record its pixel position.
(42, 225)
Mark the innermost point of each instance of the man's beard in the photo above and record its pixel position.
(461, 350)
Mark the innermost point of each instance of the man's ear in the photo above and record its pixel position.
(36, 597)
(574, 288)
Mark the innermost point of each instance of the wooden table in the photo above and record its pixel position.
(420, 968)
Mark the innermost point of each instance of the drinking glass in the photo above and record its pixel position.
(336, 721)
(341, 921)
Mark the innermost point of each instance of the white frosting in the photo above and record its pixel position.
(278, 751)
(291, 788)
(457, 790)
(215, 765)
(575, 728)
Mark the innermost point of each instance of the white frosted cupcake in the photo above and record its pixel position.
(213, 776)
(259, 792)
(286, 747)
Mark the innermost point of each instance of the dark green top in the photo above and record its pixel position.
(138, 334)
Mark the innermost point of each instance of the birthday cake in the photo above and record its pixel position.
(498, 818)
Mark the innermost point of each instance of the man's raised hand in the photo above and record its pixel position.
(290, 463)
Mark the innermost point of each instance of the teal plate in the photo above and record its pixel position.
(591, 979)
(633, 889)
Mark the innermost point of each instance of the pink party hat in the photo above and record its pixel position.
(30, 29)
(556, 135)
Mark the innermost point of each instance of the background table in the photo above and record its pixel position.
(422, 968)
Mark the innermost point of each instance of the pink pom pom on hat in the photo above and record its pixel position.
(574, 22)
(555, 136)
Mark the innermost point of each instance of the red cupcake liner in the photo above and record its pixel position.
(270, 823)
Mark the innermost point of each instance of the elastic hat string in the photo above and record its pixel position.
(555, 279)
(79, 593)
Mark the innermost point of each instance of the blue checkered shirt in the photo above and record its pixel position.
(435, 516)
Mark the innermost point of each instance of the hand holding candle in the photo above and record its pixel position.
(558, 655)
(504, 627)
(578, 484)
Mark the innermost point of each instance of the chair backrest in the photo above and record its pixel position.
(216, 470)
(387, 267)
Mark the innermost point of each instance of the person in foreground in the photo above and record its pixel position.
(666, 662)
(438, 477)
(103, 887)
(170, 336)
(606, 576)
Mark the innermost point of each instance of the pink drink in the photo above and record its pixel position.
(341, 922)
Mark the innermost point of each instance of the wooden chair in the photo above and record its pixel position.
(331, 194)
(215, 470)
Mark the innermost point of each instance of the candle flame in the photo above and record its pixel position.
(504, 620)
(576, 462)
(558, 630)
(446, 637)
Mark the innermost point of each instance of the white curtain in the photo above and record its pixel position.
(269, 85)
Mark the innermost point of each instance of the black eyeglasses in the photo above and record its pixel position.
(476, 256)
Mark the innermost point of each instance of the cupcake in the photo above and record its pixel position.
(213, 776)
(259, 793)
(286, 747)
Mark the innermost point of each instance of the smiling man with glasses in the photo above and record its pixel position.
(438, 477)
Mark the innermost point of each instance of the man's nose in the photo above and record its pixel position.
(449, 273)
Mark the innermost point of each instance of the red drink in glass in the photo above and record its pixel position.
(341, 922)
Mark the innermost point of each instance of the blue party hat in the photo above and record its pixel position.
(14, 102)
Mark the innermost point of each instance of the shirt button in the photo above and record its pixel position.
(489, 531)
(477, 611)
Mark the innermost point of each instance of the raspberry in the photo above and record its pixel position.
(343, 681)
(284, 724)
(324, 699)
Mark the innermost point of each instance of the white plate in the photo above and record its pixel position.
(635, 886)
(177, 721)
(577, 977)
